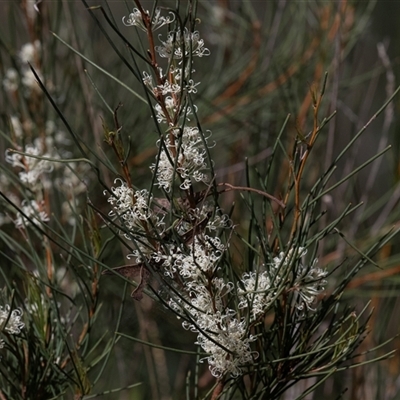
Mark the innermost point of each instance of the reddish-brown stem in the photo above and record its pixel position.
(249, 189)
(171, 122)
(147, 22)
(297, 176)
(153, 59)
(218, 390)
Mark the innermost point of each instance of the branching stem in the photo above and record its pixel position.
(249, 189)
(309, 145)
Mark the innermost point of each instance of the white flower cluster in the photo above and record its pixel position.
(11, 80)
(192, 261)
(33, 168)
(29, 51)
(190, 161)
(188, 251)
(32, 210)
(135, 19)
(10, 321)
(133, 208)
(183, 154)
(28, 54)
(306, 281)
(202, 259)
(258, 290)
(220, 332)
(257, 293)
(32, 176)
(179, 81)
(179, 45)
(171, 110)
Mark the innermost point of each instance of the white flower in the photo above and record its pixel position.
(220, 333)
(307, 281)
(282, 260)
(29, 51)
(308, 285)
(10, 81)
(165, 169)
(29, 80)
(148, 80)
(201, 257)
(33, 167)
(191, 160)
(144, 251)
(169, 88)
(171, 108)
(122, 200)
(257, 293)
(33, 210)
(218, 222)
(133, 207)
(191, 86)
(26, 55)
(141, 208)
(135, 19)
(10, 321)
(227, 333)
(178, 45)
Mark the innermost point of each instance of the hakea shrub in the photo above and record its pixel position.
(184, 238)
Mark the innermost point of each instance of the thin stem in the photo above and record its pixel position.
(249, 189)
(309, 145)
